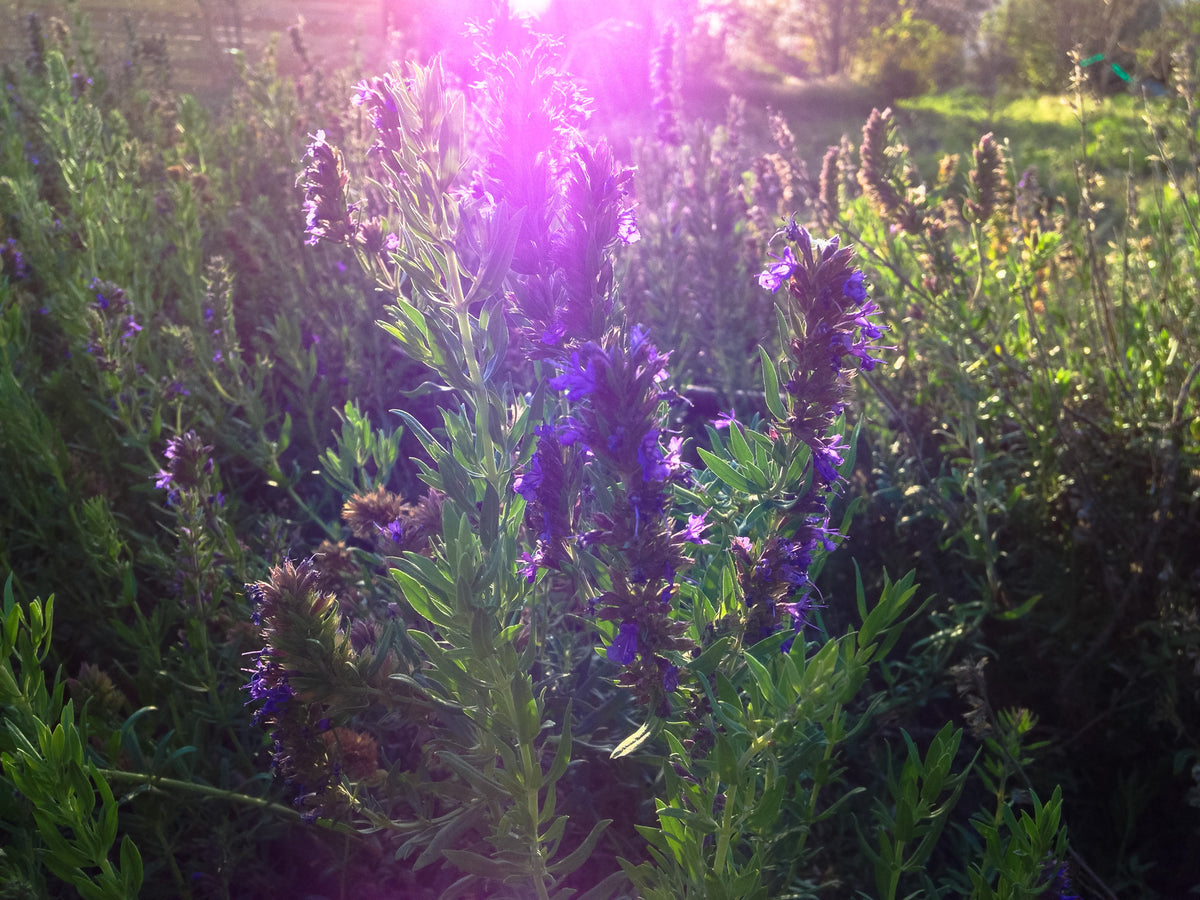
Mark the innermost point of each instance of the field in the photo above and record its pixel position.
(767, 487)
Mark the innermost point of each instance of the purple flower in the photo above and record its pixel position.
(779, 272)
(394, 531)
(527, 568)
(578, 379)
(727, 420)
(650, 456)
(826, 459)
(695, 528)
(670, 675)
(854, 290)
(624, 646)
(627, 229)
(1060, 882)
(163, 479)
(131, 328)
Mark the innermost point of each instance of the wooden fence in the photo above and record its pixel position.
(201, 34)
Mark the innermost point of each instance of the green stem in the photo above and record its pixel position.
(481, 399)
(533, 808)
(203, 789)
(725, 835)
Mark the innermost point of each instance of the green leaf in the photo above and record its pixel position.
(771, 385)
(707, 662)
(648, 729)
(499, 258)
(725, 472)
(562, 755)
(131, 867)
(766, 684)
(460, 821)
(476, 864)
(582, 853)
(607, 888)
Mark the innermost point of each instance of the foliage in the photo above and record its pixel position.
(539, 652)
(909, 56)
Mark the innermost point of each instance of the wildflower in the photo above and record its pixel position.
(380, 514)
(727, 420)
(834, 336)
(553, 474)
(1029, 197)
(615, 388)
(692, 533)
(327, 214)
(12, 260)
(188, 463)
(880, 183)
(624, 646)
(1059, 887)
(779, 272)
(987, 178)
(828, 205)
(663, 79)
(393, 531)
(306, 664)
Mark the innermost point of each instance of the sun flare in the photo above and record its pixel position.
(529, 7)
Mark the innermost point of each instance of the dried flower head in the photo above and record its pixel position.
(374, 513)
(305, 669)
(93, 685)
(828, 202)
(884, 187)
(356, 752)
(987, 179)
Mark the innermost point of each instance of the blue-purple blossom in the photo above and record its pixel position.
(650, 457)
(270, 686)
(854, 289)
(694, 531)
(12, 260)
(577, 378)
(627, 230)
(670, 676)
(393, 531)
(829, 296)
(727, 420)
(779, 272)
(527, 567)
(624, 646)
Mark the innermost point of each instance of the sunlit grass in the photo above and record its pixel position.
(1042, 131)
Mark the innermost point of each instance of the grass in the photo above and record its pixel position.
(1039, 130)
(1042, 131)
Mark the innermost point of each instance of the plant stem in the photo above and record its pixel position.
(206, 790)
